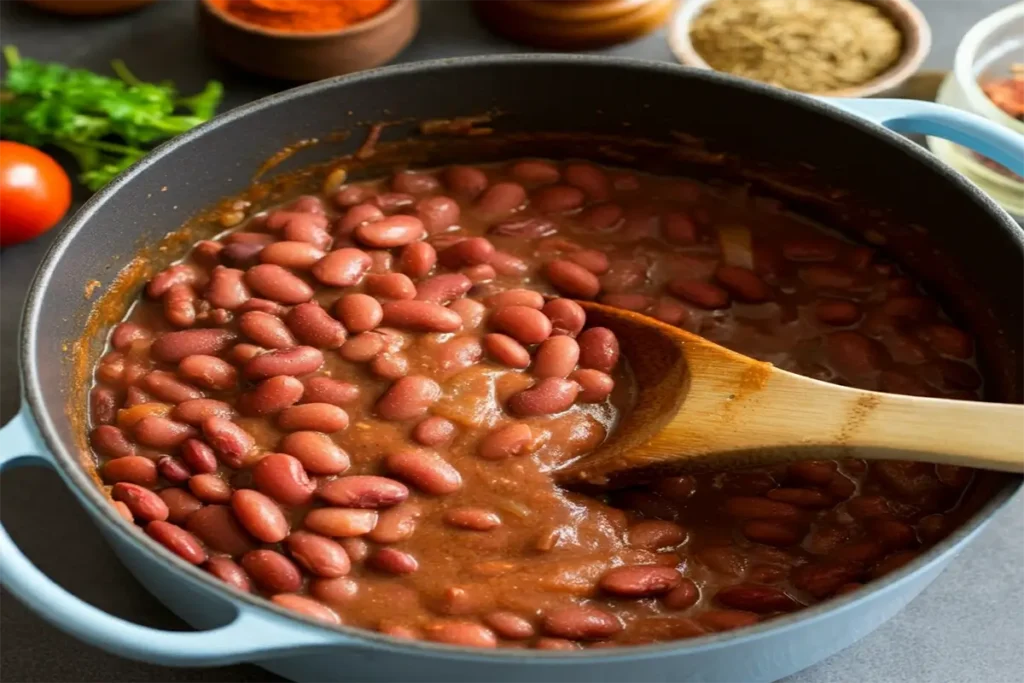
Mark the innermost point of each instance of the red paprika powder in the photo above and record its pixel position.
(302, 16)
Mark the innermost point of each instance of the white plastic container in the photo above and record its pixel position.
(985, 53)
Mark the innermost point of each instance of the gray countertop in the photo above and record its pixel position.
(967, 627)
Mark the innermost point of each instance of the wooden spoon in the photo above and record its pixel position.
(701, 406)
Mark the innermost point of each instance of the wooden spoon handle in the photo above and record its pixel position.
(806, 412)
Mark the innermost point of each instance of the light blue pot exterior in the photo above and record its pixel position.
(243, 628)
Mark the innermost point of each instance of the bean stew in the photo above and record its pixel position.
(352, 403)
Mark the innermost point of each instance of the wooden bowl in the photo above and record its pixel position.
(917, 41)
(90, 8)
(309, 56)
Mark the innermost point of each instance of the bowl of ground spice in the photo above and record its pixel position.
(839, 48)
(306, 40)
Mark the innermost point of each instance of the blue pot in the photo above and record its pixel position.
(844, 144)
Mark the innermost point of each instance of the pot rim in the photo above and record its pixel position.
(65, 458)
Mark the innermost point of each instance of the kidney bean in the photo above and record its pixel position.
(233, 444)
(357, 549)
(516, 297)
(111, 442)
(525, 228)
(572, 279)
(827, 277)
(390, 286)
(136, 397)
(417, 259)
(837, 312)
(167, 387)
(318, 554)
(321, 417)
(272, 570)
(126, 335)
(557, 199)
(327, 390)
(267, 330)
(471, 251)
(770, 532)
(310, 229)
(755, 598)
(726, 619)
(180, 306)
(427, 471)
(473, 519)
(656, 535)
(947, 340)
(390, 232)
(599, 349)
(464, 181)
(272, 396)
(420, 315)
(595, 386)
(228, 571)
(306, 607)
(362, 347)
(480, 274)
(143, 503)
(639, 581)
(813, 471)
(342, 268)
(241, 255)
(525, 325)
(438, 214)
(443, 289)
(471, 312)
(341, 522)
(555, 644)
(396, 524)
(172, 469)
(277, 284)
(556, 357)
(683, 596)
(805, 498)
(414, 183)
(464, 633)
(594, 261)
(853, 354)
(240, 354)
(408, 398)
(566, 316)
(743, 284)
(363, 492)
(506, 442)
(337, 591)
(196, 411)
(178, 274)
(535, 172)
(200, 457)
(218, 528)
(300, 360)
(433, 431)
(501, 199)
(546, 397)
(172, 347)
(393, 561)
(699, 293)
(180, 504)
(316, 451)
(822, 580)
(161, 433)
(390, 202)
(349, 196)
(208, 372)
(359, 312)
(750, 507)
(210, 488)
(177, 540)
(590, 179)
(581, 622)
(297, 255)
(356, 216)
(227, 289)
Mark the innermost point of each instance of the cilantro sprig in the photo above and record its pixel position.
(106, 123)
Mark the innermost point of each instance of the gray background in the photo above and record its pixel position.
(968, 626)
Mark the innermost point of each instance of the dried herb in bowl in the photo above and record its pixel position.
(815, 46)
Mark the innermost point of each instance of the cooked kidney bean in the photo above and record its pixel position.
(432, 326)
(272, 570)
(172, 347)
(443, 289)
(180, 504)
(177, 540)
(363, 491)
(218, 528)
(427, 471)
(408, 397)
(229, 572)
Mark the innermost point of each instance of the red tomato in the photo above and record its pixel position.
(35, 193)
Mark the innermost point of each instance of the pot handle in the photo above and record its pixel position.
(927, 118)
(250, 636)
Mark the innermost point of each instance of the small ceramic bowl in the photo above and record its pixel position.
(917, 41)
(987, 51)
(309, 56)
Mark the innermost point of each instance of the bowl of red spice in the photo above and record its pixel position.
(306, 40)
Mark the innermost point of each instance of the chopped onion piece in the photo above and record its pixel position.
(737, 248)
